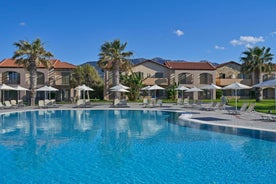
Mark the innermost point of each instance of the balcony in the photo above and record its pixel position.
(16, 81)
(225, 82)
(158, 81)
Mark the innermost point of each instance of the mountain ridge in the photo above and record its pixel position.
(139, 60)
(156, 59)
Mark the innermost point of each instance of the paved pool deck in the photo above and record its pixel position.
(252, 120)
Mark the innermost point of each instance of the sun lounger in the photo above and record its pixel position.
(152, 103)
(186, 102)
(19, 103)
(41, 104)
(87, 103)
(250, 108)
(119, 103)
(241, 110)
(179, 101)
(8, 105)
(159, 103)
(50, 104)
(13, 103)
(210, 107)
(197, 105)
(80, 103)
(268, 117)
(145, 102)
(1, 105)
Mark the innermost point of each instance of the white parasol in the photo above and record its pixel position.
(83, 88)
(45, 89)
(19, 88)
(155, 88)
(182, 88)
(211, 87)
(268, 84)
(236, 86)
(146, 88)
(119, 86)
(5, 87)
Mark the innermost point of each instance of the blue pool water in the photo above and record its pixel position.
(106, 146)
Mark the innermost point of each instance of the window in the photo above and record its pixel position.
(11, 78)
(40, 78)
(205, 78)
(185, 78)
(222, 75)
(159, 75)
(65, 78)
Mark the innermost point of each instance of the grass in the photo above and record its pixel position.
(267, 105)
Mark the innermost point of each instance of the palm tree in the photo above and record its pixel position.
(113, 58)
(30, 56)
(135, 82)
(257, 60)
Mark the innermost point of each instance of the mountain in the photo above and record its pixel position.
(134, 61)
(139, 60)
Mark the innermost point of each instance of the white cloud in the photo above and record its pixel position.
(249, 46)
(247, 40)
(219, 47)
(273, 33)
(22, 24)
(178, 32)
(235, 42)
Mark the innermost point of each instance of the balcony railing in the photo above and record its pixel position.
(12, 82)
(158, 81)
(225, 82)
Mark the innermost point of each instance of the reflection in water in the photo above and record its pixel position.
(35, 133)
(38, 139)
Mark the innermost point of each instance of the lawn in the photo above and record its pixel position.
(263, 106)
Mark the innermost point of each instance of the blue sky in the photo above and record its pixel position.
(191, 30)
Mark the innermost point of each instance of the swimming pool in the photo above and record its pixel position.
(126, 146)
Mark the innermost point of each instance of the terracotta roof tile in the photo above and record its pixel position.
(57, 64)
(189, 65)
(8, 63)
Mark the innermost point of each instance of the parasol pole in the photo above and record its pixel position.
(236, 99)
(275, 98)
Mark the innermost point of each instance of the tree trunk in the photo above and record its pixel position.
(116, 73)
(106, 85)
(259, 94)
(33, 83)
(116, 77)
(259, 91)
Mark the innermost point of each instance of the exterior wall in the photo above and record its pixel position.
(231, 71)
(233, 74)
(149, 69)
(57, 77)
(196, 79)
(18, 70)
(24, 75)
(64, 90)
